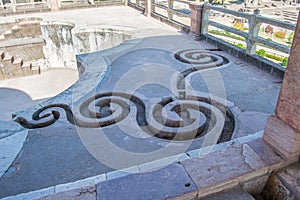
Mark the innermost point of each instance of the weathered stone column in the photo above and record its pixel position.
(148, 6)
(282, 131)
(54, 5)
(196, 20)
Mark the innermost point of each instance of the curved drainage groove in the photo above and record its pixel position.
(182, 117)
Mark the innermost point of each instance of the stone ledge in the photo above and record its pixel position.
(218, 171)
(240, 165)
(20, 42)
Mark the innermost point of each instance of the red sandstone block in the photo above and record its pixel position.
(283, 138)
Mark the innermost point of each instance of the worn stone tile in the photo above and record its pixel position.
(88, 193)
(266, 152)
(166, 183)
(224, 166)
(121, 173)
(10, 148)
(255, 121)
(157, 164)
(237, 194)
(32, 195)
(80, 184)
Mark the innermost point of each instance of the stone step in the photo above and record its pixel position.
(15, 28)
(17, 63)
(2, 38)
(8, 60)
(35, 70)
(24, 29)
(238, 194)
(8, 32)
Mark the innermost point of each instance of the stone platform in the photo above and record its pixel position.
(142, 101)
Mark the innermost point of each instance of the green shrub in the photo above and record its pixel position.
(227, 33)
(291, 37)
(270, 39)
(285, 61)
(261, 52)
(274, 57)
(280, 34)
(241, 46)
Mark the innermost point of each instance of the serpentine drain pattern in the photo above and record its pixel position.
(181, 117)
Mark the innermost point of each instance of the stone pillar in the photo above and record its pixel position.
(148, 7)
(54, 5)
(196, 20)
(282, 131)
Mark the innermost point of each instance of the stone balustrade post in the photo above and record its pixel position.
(148, 8)
(170, 11)
(14, 6)
(54, 5)
(253, 33)
(196, 20)
(282, 131)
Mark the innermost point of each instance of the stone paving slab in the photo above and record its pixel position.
(166, 183)
(237, 194)
(10, 148)
(218, 171)
(88, 193)
(50, 156)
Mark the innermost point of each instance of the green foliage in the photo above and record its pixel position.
(285, 61)
(291, 37)
(241, 46)
(261, 52)
(270, 39)
(274, 57)
(228, 34)
(280, 34)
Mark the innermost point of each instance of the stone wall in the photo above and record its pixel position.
(96, 39)
(58, 50)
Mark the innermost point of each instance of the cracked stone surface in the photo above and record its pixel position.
(165, 183)
(77, 194)
(216, 168)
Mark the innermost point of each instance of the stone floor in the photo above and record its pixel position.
(132, 100)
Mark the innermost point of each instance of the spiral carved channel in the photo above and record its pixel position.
(200, 59)
(173, 118)
(184, 119)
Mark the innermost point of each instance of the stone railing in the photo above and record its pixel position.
(140, 4)
(19, 6)
(24, 6)
(173, 11)
(251, 36)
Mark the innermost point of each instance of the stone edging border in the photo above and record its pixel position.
(145, 167)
